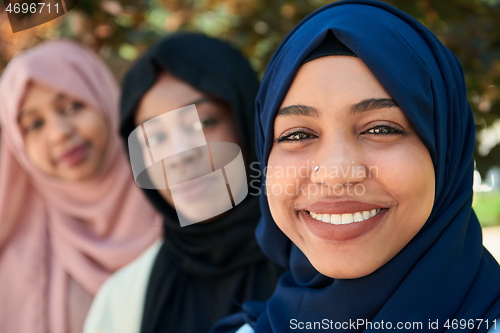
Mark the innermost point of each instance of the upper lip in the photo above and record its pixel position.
(340, 207)
(68, 151)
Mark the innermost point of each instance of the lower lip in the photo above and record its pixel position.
(194, 190)
(75, 157)
(341, 232)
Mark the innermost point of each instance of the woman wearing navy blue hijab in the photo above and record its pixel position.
(379, 233)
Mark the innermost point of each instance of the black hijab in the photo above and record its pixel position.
(203, 271)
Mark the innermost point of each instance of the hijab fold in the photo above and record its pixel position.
(444, 272)
(203, 271)
(54, 233)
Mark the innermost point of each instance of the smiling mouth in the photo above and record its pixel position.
(345, 218)
(74, 156)
(343, 227)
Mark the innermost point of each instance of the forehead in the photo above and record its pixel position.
(334, 80)
(37, 97)
(35, 90)
(167, 94)
(38, 93)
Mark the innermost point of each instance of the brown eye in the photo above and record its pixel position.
(295, 136)
(156, 139)
(33, 125)
(209, 122)
(384, 130)
(73, 107)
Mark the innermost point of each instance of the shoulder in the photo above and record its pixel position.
(128, 275)
(495, 328)
(118, 306)
(245, 329)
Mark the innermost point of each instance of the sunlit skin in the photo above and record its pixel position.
(355, 124)
(218, 123)
(63, 136)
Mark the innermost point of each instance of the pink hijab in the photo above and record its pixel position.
(55, 235)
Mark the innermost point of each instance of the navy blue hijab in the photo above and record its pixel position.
(444, 272)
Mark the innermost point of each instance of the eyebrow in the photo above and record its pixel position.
(298, 109)
(373, 104)
(25, 113)
(153, 120)
(57, 99)
(363, 106)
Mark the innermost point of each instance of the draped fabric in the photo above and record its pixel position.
(61, 239)
(444, 272)
(204, 271)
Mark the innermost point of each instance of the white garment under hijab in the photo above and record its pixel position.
(119, 304)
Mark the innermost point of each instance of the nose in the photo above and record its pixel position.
(187, 165)
(339, 162)
(187, 152)
(61, 128)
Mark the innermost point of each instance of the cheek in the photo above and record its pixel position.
(38, 154)
(282, 179)
(167, 196)
(285, 177)
(406, 173)
(93, 127)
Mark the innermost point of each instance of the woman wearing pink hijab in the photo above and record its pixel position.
(70, 213)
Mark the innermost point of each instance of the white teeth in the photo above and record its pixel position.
(335, 219)
(358, 217)
(345, 218)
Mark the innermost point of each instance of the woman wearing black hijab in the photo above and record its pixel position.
(201, 272)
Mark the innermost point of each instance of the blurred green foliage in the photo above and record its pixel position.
(122, 30)
(487, 208)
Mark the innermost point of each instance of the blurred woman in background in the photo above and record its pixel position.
(70, 213)
(203, 271)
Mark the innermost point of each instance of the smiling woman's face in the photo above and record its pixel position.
(374, 188)
(217, 123)
(64, 137)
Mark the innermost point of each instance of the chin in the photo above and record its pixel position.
(343, 272)
(344, 267)
(203, 211)
(81, 172)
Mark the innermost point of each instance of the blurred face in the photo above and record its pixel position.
(181, 132)
(63, 136)
(373, 188)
